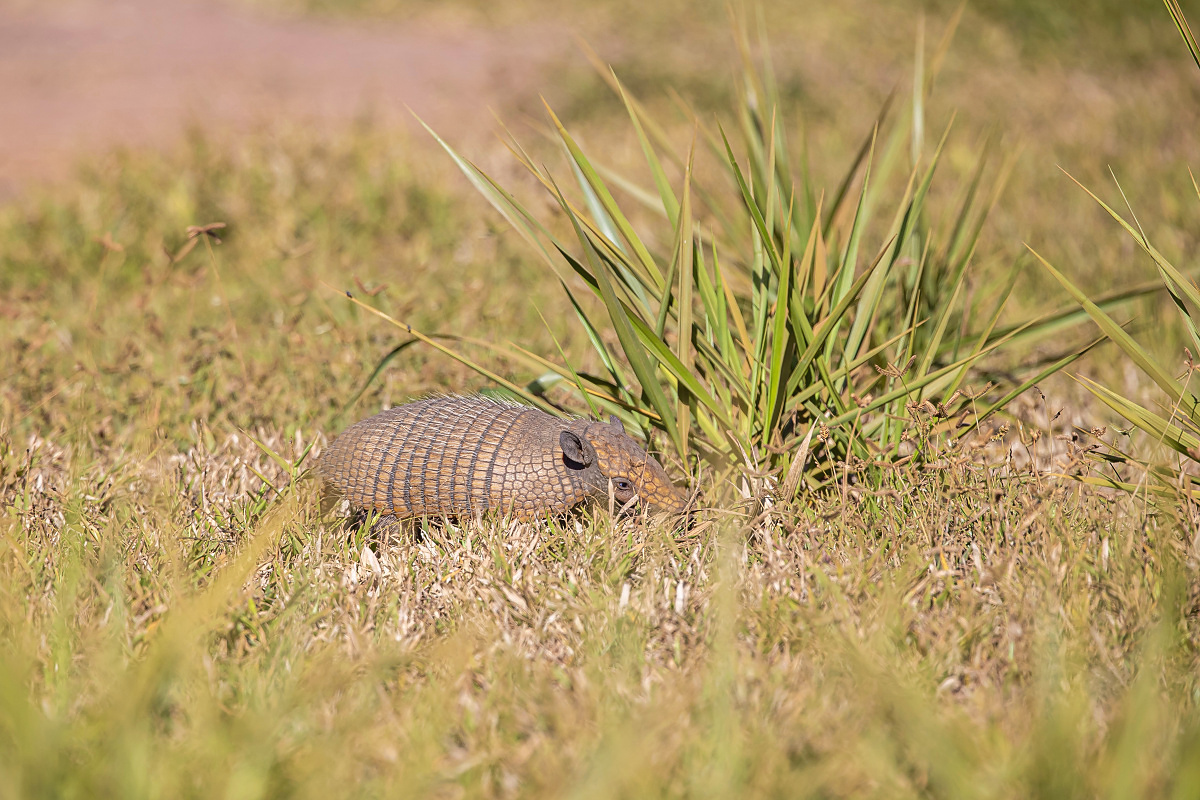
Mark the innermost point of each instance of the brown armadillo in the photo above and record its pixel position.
(462, 456)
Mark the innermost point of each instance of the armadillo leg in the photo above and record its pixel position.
(387, 525)
(382, 528)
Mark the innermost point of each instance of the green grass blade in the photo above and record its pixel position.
(375, 373)
(777, 377)
(502, 201)
(1171, 274)
(986, 332)
(844, 281)
(829, 324)
(677, 370)
(609, 204)
(1028, 383)
(593, 334)
(578, 381)
(862, 157)
(1185, 30)
(669, 202)
(686, 247)
(1162, 429)
(631, 343)
(939, 330)
(1126, 342)
(459, 357)
(1055, 322)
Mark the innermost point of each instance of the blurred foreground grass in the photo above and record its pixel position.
(956, 635)
(179, 621)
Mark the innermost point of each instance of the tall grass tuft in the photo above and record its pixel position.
(759, 325)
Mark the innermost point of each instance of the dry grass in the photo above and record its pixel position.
(179, 620)
(954, 632)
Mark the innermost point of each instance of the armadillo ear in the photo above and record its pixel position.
(616, 423)
(577, 452)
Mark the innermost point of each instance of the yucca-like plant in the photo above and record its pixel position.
(1175, 423)
(774, 333)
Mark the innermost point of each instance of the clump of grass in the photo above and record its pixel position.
(764, 329)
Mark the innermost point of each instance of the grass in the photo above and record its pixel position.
(778, 312)
(1171, 425)
(906, 642)
(179, 619)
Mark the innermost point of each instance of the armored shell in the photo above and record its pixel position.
(462, 456)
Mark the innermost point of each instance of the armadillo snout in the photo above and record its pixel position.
(662, 495)
(631, 471)
(675, 502)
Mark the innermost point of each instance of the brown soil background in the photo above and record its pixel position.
(84, 76)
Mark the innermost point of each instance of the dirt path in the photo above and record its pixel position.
(83, 76)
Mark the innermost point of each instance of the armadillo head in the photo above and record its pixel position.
(604, 452)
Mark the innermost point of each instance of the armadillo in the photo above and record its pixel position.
(462, 456)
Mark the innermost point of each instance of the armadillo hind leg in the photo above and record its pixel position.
(383, 527)
(386, 526)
